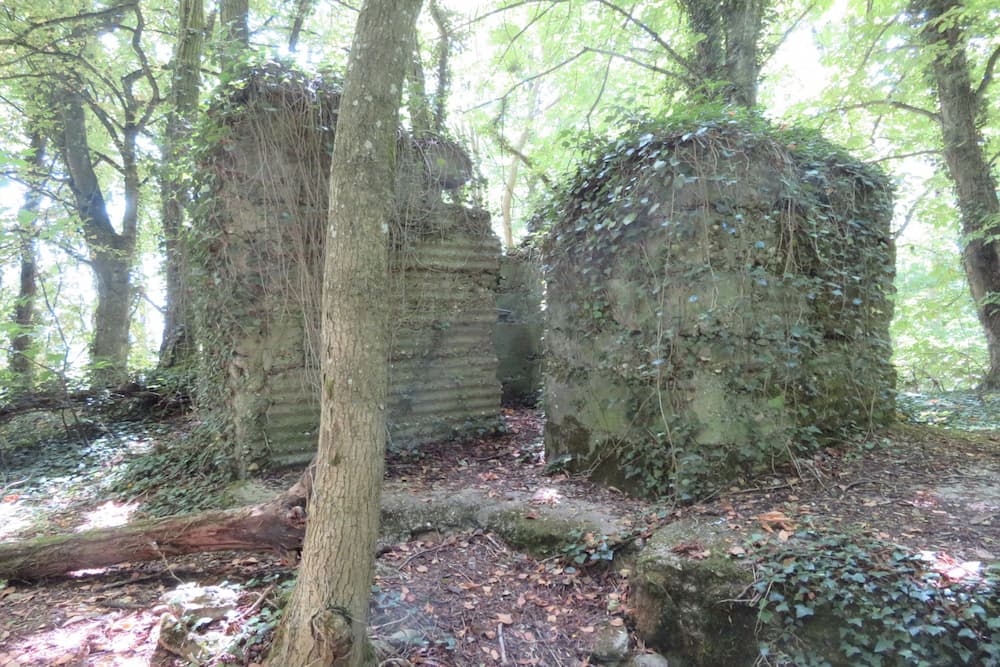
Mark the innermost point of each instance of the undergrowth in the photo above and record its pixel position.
(874, 603)
(185, 472)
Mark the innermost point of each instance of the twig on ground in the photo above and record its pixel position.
(503, 647)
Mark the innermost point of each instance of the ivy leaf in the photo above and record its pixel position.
(802, 611)
(883, 645)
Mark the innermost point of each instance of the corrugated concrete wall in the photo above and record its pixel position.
(443, 368)
(443, 375)
(263, 278)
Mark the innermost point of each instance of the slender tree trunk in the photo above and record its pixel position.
(507, 201)
(234, 17)
(325, 622)
(302, 9)
(975, 186)
(178, 334)
(111, 254)
(21, 360)
(441, 20)
(418, 105)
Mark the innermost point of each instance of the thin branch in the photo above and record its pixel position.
(903, 156)
(912, 210)
(527, 161)
(534, 19)
(784, 36)
(655, 36)
(71, 18)
(600, 93)
(934, 116)
(636, 61)
(991, 64)
(507, 8)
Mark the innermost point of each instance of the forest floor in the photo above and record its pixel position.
(469, 599)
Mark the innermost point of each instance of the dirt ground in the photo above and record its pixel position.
(469, 599)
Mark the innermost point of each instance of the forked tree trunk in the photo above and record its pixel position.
(325, 622)
(112, 253)
(276, 526)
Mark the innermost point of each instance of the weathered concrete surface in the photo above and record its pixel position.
(722, 305)
(520, 323)
(685, 606)
(259, 270)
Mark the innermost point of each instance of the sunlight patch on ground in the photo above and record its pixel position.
(951, 569)
(107, 515)
(10, 523)
(99, 642)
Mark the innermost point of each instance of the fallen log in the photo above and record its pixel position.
(277, 525)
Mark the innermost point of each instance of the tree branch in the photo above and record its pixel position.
(934, 116)
(903, 156)
(991, 64)
(773, 48)
(655, 36)
(110, 12)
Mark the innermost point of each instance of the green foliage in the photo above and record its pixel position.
(588, 549)
(888, 606)
(938, 342)
(257, 629)
(793, 336)
(968, 411)
(184, 473)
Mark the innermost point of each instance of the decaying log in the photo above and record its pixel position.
(276, 526)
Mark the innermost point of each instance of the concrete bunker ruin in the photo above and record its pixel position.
(257, 261)
(718, 300)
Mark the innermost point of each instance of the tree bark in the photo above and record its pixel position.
(21, 360)
(975, 187)
(111, 253)
(234, 20)
(302, 10)
(727, 51)
(177, 346)
(277, 526)
(325, 622)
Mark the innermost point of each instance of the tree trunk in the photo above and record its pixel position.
(441, 20)
(325, 622)
(21, 360)
(112, 254)
(177, 346)
(234, 20)
(302, 10)
(726, 53)
(507, 201)
(975, 187)
(418, 105)
(277, 525)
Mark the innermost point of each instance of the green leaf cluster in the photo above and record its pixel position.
(875, 603)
